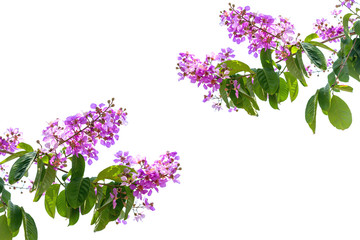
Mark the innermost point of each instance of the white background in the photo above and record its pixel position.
(243, 177)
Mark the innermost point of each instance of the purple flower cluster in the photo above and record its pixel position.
(80, 133)
(148, 177)
(326, 31)
(10, 141)
(347, 3)
(262, 31)
(205, 73)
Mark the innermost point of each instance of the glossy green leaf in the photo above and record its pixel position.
(310, 37)
(74, 216)
(283, 91)
(324, 97)
(77, 167)
(236, 66)
(25, 146)
(40, 173)
(102, 220)
(346, 24)
(61, 205)
(273, 101)
(129, 202)
(89, 202)
(319, 44)
(339, 114)
(292, 85)
(272, 82)
(357, 27)
(14, 216)
(45, 183)
(354, 68)
(5, 232)
(114, 213)
(77, 191)
(258, 90)
(15, 233)
(223, 92)
(341, 69)
(112, 173)
(295, 70)
(310, 111)
(21, 166)
(300, 63)
(50, 199)
(315, 55)
(1, 184)
(345, 88)
(5, 196)
(331, 78)
(13, 156)
(30, 229)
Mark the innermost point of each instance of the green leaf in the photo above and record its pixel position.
(325, 98)
(26, 147)
(40, 173)
(102, 220)
(300, 63)
(273, 101)
(77, 191)
(236, 66)
(30, 229)
(223, 92)
(113, 173)
(21, 166)
(315, 55)
(341, 69)
(129, 202)
(78, 166)
(50, 199)
(345, 88)
(272, 82)
(61, 205)
(295, 71)
(74, 216)
(114, 213)
(283, 91)
(331, 78)
(13, 156)
(5, 232)
(310, 111)
(354, 68)
(357, 27)
(310, 37)
(346, 24)
(1, 184)
(15, 233)
(89, 202)
(319, 44)
(6, 196)
(292, 85)
(259, 91)
(14, 216)
(339, 114)
(46, 182)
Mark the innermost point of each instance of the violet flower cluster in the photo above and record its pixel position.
(327, 31)
(10, 141)
(80, 133)
(209, 73)
(262, 31)
(148, 177)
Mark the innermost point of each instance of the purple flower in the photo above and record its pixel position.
(114, 196)
(80, 133)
